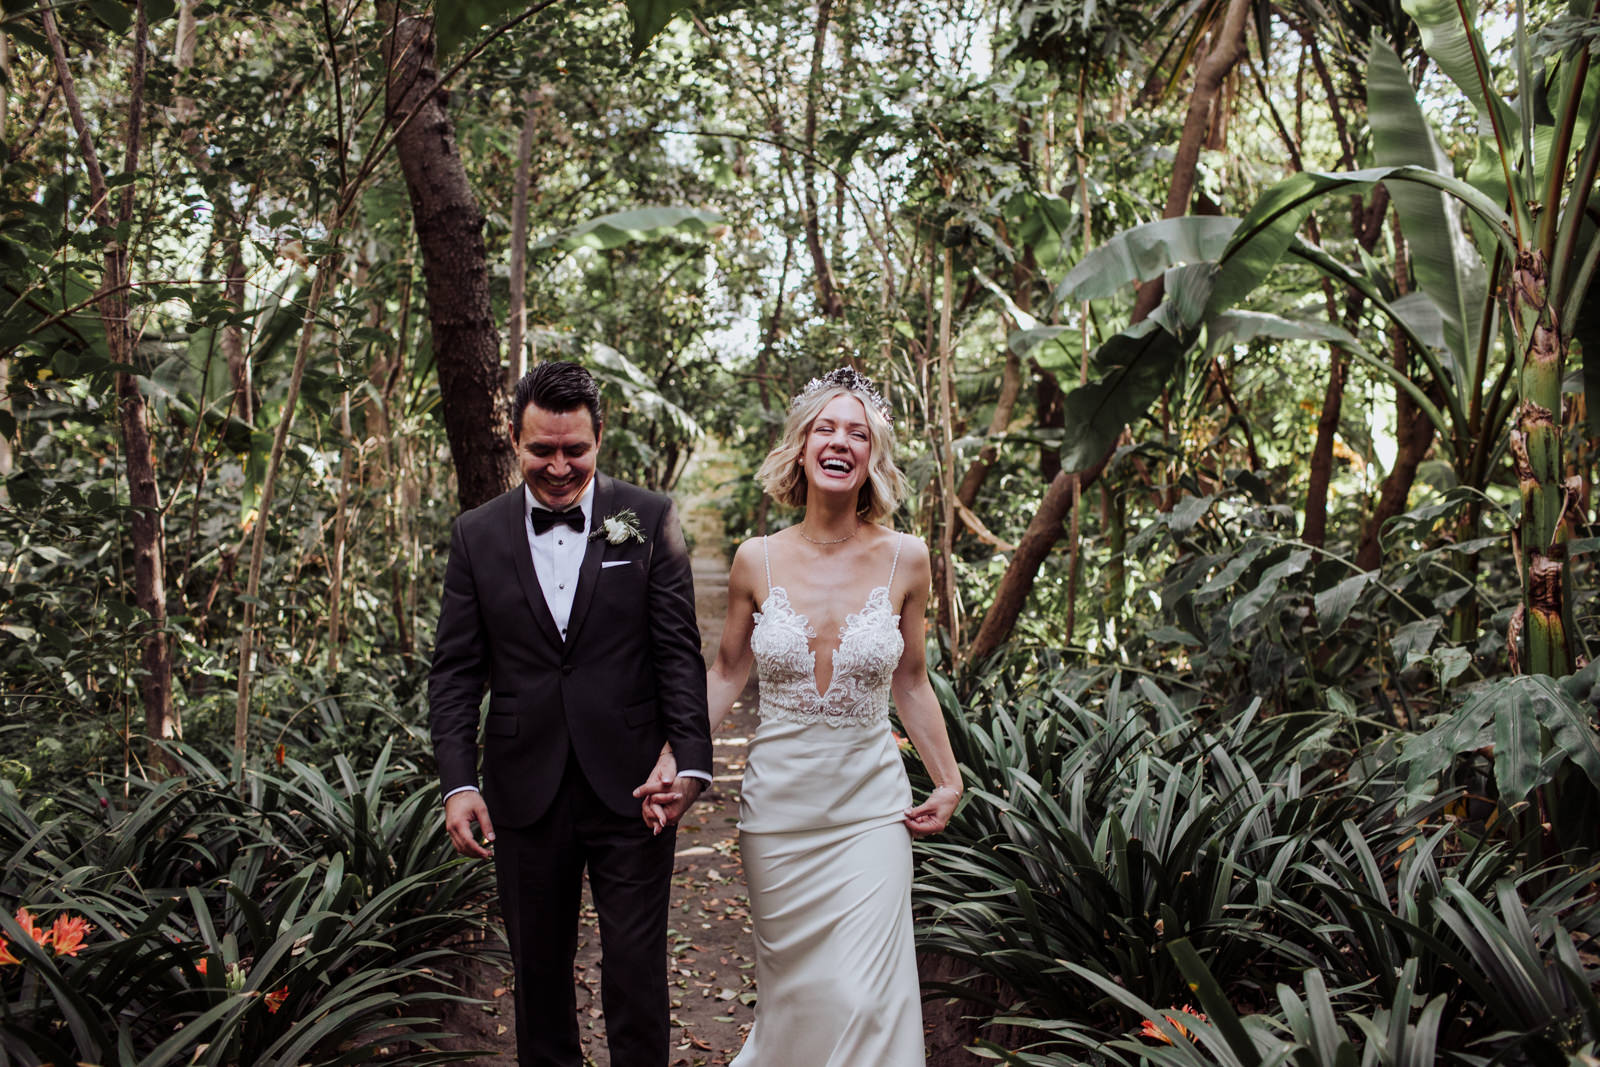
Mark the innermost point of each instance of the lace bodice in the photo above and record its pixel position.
(863, 665)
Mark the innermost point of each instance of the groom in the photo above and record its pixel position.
(570, 599)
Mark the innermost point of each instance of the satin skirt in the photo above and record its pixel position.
(830, 900)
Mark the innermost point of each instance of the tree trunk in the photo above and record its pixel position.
(449, 225)
(517, 311)
(234, 349)
(1048, 414)
(827, 291)
(1198, 123)
(1037, 540)
(1413, 431)
(1010, 387)
(144, 498)
(949, 611)
(1316, 531)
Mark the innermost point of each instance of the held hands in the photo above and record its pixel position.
(664, 796)
(933, 814)
(460, 812)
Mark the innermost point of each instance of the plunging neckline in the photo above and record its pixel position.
(809, 632)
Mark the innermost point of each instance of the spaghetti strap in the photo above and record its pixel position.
(766, 557)
(898, 541)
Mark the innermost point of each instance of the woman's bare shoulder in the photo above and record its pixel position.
(913, 549)
(749, 564)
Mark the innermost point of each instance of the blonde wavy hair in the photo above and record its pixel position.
(783, 477)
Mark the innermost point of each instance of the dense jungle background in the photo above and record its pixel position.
(1238, 356)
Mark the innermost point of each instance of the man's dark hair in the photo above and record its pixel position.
(557, 386)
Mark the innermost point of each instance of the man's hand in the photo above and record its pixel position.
(460, 812)
(662, 810)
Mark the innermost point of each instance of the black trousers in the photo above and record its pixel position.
(539, 869)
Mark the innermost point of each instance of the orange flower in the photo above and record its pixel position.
(280, 753)
(40, 935)
(1152, 1030)
(6, 957)
(68, 933)
(276, 998)
(200, 965)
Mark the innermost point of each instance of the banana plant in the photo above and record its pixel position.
(1529, 201)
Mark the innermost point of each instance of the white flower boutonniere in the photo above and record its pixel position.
(620, 527)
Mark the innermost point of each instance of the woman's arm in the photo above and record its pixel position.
(730, 671)
(662, 804)
(918, 707)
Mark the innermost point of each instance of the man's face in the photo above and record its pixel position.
(556, 450)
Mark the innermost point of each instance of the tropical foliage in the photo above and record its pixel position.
(1239, 352)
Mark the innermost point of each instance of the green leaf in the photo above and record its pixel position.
(1451, 40)
(650, 17)
(635, 224)
(1447, 266)
(460, 20)
(1144, 252)
(1269, 229)
(1214, 999)
(1334, 605)
(1242, 327)
(1144, 355)
(1571, 726)
(1517, 765)
(1468, 727)
(1249, 605)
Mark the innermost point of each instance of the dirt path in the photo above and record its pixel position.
(711, 977)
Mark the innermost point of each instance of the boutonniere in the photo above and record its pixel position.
(620, 527)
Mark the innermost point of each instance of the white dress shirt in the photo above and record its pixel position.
(558, 554)
(557, 559)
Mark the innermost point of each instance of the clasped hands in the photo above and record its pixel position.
(664, 796)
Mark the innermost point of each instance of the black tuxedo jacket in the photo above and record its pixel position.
(628, 676)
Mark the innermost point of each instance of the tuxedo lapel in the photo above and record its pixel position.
(589, 573)
(516, 522)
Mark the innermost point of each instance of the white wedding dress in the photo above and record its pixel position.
(826, 854)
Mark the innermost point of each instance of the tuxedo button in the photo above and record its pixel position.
(566, 668)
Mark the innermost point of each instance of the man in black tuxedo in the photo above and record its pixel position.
(571, 599)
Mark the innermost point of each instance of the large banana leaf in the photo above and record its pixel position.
(1141, 361)
(1450, 38)
(641, 393)
(1242, 327)
(635, 224)
(1143, 252)
(1447, 266)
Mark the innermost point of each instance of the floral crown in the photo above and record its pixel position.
(851, 379)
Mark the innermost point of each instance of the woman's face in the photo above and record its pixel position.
(838, 446)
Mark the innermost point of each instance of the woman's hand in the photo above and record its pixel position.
(656, 792)
(933, 814)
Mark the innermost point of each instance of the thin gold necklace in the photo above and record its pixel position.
(835, 541)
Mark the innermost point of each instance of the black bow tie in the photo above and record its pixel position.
(544, 519)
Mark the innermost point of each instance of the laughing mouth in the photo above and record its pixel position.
(836, 466)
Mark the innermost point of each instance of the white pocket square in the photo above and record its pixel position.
(614, 563)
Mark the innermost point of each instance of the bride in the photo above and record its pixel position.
(830, 612)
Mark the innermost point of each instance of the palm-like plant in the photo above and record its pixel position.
(1527, 199)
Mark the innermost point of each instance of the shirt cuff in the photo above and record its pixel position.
(460, 789)
(702, 775)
